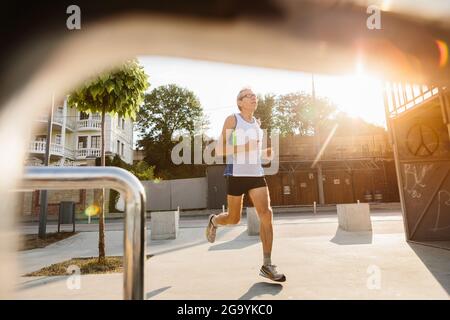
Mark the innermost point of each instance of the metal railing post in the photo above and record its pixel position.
(54, 178)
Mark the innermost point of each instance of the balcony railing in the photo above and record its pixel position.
(39, 147)
(42, 118)
(57, 149)
(70, 124)
(58, 117)
(89, 124)
(69, 153)
(95, 122)
(83, 153)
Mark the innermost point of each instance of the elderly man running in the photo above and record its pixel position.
(241, 141)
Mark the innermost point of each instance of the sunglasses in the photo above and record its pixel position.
(248, 95)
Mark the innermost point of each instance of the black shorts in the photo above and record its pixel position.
(237, 186)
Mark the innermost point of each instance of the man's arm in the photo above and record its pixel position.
(267, 154)
(223, 147)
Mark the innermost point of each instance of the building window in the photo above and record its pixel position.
(82, 142)
(118, 147)
(42, 138)
(95, 142)
(121, 123)
(84, 115)
(58, 139)
(122, 149)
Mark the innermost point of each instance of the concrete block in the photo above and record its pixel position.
(354, 217)
(252, 222)
(164, 224)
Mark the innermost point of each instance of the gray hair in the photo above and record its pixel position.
(239, 94)
(242, 90)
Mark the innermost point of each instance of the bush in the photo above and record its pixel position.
(142, 170)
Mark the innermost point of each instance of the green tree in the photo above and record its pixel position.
(143, 171)
(168, 111)
(265, 111)
(288, 113)
(299, 113)
(118, 92)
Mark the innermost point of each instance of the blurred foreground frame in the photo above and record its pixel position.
(40, 56)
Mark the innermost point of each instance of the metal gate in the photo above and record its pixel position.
(418, 121)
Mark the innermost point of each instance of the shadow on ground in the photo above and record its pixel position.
(261, 288)
(241, 241)
(155, 292)
(154, 244)
(437, 261)
(351, 238)
(40, 282)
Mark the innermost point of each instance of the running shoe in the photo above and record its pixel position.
(211, 230)
(270, 272)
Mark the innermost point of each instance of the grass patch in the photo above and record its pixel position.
(32, 241)
(113, 264)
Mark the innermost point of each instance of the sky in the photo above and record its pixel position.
(217, 84)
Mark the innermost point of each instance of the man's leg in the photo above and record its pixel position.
(233, 216)
(261, 200)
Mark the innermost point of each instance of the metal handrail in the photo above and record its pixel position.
(54, 178)
(403, 97)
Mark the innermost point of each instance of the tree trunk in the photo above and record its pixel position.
(101, 221)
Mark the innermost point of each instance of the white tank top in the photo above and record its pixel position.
(246, 164)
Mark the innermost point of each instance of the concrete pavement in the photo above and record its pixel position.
(319, 260)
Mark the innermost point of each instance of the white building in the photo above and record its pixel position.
(76, 136)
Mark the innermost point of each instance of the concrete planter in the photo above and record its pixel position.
(354, 217)
(164, 225)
